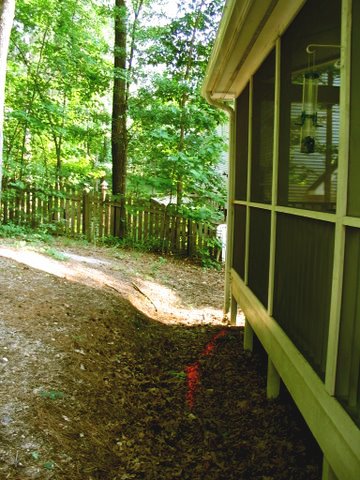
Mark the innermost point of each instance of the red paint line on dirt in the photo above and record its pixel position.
(193, 370)
(193, 378)
(212, 344)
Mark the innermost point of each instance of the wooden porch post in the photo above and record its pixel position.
(233, 310)
(273, 381)
(248, 336)
(327, 471)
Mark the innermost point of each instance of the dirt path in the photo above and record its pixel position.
(94, 348)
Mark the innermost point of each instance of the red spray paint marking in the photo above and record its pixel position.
(193, 378)
(212, 344)
(193, 370)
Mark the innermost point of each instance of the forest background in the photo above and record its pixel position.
(101, 91)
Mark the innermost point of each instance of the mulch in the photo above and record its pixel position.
(113, 394)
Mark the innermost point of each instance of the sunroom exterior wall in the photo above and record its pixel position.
(290, 243)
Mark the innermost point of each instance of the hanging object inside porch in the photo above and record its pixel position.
(309, 113)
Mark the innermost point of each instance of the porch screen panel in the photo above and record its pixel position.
(242, 132)
(308, 160)
(259, 253)
(348, 369)
(263, 131)
(303, 278)
(354, 159)
(239, 239)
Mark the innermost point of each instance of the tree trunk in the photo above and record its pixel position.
(179, 181)
(119, 138)
(7, 11)
(58, 140)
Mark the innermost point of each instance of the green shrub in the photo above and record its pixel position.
(149, 245)
(207, 253)
(23, 232)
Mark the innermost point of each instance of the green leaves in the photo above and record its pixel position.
(180, 375)
(52, 394)
(49, 465)
(58, 74)
(58, 118)
(173, 144)
(35, 455)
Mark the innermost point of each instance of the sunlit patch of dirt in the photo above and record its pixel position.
(151, 288)
(95, 346)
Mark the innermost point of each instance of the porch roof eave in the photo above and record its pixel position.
(248, 31)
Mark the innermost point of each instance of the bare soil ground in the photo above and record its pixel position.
(93, 353)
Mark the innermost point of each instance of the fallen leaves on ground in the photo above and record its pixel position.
(93, 388)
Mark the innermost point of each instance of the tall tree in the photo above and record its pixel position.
(58, 113)
(123, 69)
(7, 10)
(187, 46)
(174, 129)
(119, 116)
(58, 75)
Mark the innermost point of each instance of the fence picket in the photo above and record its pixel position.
(107, 218)
(129, 219)
(5, 210)
(146, 224)
(134, 223)
(140, 224)
(73, 213)
(28, 205)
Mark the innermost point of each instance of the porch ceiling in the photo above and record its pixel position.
(247, 32)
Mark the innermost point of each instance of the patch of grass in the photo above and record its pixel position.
(78, 339)
(72, 242)
(119, 255)
(52, 252)
(155, 267)
(52, 394)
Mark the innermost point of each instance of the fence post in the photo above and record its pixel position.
(4, 202)
(189, 239)
(86, 214)
(146, 221)
(192, 238)
(104, 189)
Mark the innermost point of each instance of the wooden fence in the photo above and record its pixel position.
(90, 214)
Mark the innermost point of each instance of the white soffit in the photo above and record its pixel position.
(247, 32)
